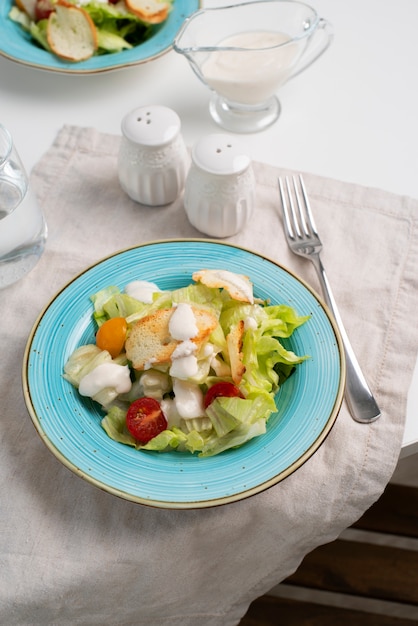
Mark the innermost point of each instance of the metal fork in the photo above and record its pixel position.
(303, 239)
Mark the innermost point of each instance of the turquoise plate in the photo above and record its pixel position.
(18, 46)
(69, 425)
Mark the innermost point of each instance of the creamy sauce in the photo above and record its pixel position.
(149, 364)
(183, 361)
(238, 286)
(184, 349)
(208, 350)
(182, 324)
(250, 323)
(253, 74)
(188, 399)
(142, 290)
(106, 375)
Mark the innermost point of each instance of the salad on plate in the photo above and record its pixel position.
(76, 30)
(195, 369)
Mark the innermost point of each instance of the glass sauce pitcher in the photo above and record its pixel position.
(245, 52)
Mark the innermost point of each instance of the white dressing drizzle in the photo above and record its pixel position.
(250, 323)
(149, 364)
(182, 324)
(142, 290)
(106, 375)
(238, 286)
(183, 360)
(188, 399)
(208, 350)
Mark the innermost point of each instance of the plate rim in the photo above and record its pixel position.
(77, 69)
(186, 504)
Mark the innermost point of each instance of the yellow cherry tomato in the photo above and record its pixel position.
(111, 336)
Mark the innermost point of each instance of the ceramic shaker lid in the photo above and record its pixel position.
(221, 154)
(153, 125)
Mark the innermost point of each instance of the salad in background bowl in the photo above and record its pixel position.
(77, 36)
(75, 30)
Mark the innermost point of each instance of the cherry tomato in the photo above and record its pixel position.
(225, 389)
(111, 336)
(43, 8)
(145, 419)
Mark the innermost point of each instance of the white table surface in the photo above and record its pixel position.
(352, 116)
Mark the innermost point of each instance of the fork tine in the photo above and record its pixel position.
(297, 212)
(300, 206)
(286, 215)
(295, 220)
(308, 207)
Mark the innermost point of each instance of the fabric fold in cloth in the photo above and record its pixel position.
(72, 555)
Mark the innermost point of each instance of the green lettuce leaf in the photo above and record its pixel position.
(20, 17)
(237, 437)
(168, 439)
(205, 297)
(111, 42)
(114, 423)
(82, 361)
(111, 302)
(226, 413)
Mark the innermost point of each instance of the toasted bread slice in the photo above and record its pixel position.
(150, 11)
(71, 33)
(234, 345)
(150, 343)
(238, 286)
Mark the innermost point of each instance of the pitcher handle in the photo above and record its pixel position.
(319, 43)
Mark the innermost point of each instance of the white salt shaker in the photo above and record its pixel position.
(153, 159)
(220, 186)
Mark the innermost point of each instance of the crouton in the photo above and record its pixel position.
(149, 341)
(71, 32)
(151, 11)
(234, 345)
(238, 286)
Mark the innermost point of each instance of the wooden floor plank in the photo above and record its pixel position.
(365, 570)
(272, 611)
(354, 568)
(396, 512)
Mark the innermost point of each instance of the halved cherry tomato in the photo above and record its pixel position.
(223, 388)
(111, 336)
(145, 419)
(43, 8)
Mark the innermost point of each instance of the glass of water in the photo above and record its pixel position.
(23, 230)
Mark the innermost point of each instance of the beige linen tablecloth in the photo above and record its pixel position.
(71, 554)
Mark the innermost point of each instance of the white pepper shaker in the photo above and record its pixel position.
(220, 186)
(153, 159)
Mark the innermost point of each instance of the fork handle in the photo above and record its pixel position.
(360, 400)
